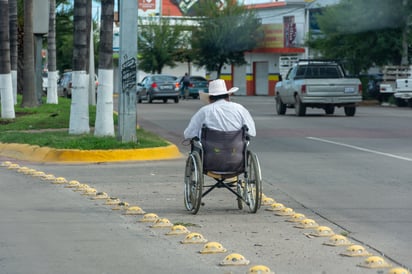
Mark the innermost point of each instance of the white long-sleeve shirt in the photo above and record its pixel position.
(221, 115)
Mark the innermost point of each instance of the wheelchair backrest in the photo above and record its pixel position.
(223, 151)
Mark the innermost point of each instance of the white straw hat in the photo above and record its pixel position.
(216, 87)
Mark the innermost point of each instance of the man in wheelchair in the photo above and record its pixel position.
(219, 134)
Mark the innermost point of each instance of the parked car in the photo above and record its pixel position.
(197, 84)
(158, 87)
(45, 81)
(64, 85)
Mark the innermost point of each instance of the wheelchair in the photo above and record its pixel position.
(223, 156)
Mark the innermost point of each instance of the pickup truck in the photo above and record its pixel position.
(317, 84)
(403, 92)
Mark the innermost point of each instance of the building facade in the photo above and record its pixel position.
(286, 24)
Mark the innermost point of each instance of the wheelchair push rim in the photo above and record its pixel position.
(193, 182)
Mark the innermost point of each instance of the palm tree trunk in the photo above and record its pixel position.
(79, 109)
(13, 45)
(6, 90)
(51, 57)
(104, 125)
(29, 91)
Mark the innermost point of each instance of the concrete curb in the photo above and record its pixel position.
(46, 154)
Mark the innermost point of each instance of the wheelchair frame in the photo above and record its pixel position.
(247, 190)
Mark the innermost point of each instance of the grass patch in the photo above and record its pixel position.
(47, 126)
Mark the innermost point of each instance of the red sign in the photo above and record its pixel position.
(147, 5)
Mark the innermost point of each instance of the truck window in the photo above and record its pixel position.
(291, 73)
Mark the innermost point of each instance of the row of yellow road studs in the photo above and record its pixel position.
(209, 247)
(300, 221)
(315, 230)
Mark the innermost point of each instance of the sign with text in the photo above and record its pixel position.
(274, 36)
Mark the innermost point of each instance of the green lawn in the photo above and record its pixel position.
(47, 125)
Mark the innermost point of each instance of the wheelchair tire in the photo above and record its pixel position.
(239, 189)
(253, 186)
(193, 182)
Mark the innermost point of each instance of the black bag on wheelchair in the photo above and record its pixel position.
(223, 151)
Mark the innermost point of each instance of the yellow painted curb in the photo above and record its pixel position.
(45, 154)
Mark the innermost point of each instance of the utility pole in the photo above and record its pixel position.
(127, 71)
(40, 28)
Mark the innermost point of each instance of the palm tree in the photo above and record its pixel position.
(51, 56)
(29, 92)
(13, 45)
(104, 125)
(79, 110)
(6, 94)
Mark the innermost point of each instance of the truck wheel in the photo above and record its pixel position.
(410, 103)
(350, 111)
(400, 102)
(280, 106)
(329, 109)
(300, 108)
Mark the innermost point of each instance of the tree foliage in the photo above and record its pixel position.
(363, 33)
(158, 44)
(224, 34)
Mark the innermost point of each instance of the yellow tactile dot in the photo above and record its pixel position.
(89, 191)
(6, 163)
(81, 187)
(398, 270)
(337, 240)
(22, 169)
(162, 223)
(296, 218)
(59, 181)
(287, 211)
(212, 248)
(13, 166)
(100, 196)
(194, 238)
(307, 223)
(121, 206)
(178, 230)
(267, 201)
(48, 177)
(149, 217)
(234, 259)
(355, 251)
(323, 231)
(374, 262)
(72, 184)
(112, 201)
(275, 207)
(134, 210)
(259, 269)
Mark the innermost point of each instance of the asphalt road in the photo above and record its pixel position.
(348, 173)
(351, 171)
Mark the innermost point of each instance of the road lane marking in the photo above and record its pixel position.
(361, 149)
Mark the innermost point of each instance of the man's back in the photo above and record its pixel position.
(221, 115)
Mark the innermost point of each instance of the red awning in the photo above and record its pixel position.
(278, 50)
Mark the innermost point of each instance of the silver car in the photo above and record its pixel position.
(158, 87)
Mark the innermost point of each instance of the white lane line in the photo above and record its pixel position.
(361, 149)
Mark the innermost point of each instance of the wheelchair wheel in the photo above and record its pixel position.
(253, 186)
(193, 182)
